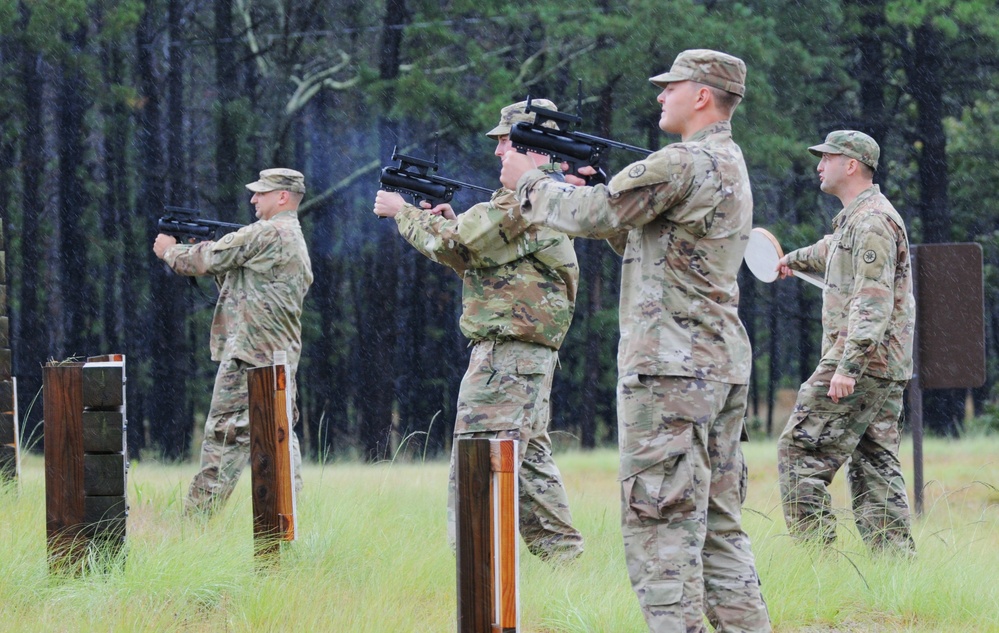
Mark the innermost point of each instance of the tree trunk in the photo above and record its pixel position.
(943, 409)
(141, 329)
(230, 195)
(378, 331)
(327, 411)
(31, 345)
(75, 293)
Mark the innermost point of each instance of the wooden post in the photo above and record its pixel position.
(271, 462)
(487, 526)
(85, 458)
(503, 495)
(10, 455)
(10, 434)
(62, 393)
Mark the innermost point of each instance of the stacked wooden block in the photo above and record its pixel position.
(85, 458)
(9, 436)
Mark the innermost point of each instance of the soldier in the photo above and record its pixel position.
(683, 217)
(851, 404)
(263, 272)
(518, 296)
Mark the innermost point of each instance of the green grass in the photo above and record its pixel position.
(372, 558)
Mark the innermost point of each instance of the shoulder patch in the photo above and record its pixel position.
(662, 166)
(230, 240)
(870, 256)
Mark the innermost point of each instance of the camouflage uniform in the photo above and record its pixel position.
(683, 361)
(868, 316)
(518, 296)
(263, 272)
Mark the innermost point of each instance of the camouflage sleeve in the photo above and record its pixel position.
(810, 258)
(487, 235)
(874, 253)
(247, 246)
(635, 196)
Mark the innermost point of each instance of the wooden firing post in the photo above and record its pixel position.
(85, 458)
(271, 463)
(488, 556)
(10, 455)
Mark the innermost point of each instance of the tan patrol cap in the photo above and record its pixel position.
(711, 68)
(279, 179)
(517, 112)
(850, 143)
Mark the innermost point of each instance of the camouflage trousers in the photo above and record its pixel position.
(819, 438)
(225, 449)
(505, 395)
(683, 482)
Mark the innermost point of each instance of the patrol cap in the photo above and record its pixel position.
(515, 113)
(712, 68)
(850, 143)
(279, 179)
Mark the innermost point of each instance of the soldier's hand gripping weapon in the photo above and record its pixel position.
(187, 225)
(414, 176)
(562, 145)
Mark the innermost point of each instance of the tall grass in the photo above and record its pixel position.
(372, 557)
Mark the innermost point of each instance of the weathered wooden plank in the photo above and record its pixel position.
(7, 432)
(474, 568)
(7, 392)
(5, 372)
(104, 474)
(270, 459)
(63, 410)
(3, 267)
(3, 298)
(105, 516)
(4, 328)
(102, 387)
(8, 462)
(103, 431)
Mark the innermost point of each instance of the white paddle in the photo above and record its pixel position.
(762, 255)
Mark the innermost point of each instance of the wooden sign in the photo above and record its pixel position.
(85, 458)
(271, 462)
(950, 315)
(488, 558)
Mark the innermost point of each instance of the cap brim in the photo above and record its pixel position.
(498, 131)
(667, 78)
(824, 148)
(259, 187)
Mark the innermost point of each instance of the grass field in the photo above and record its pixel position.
(372, 557)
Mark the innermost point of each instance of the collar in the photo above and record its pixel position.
(718, 128)
(841, 217)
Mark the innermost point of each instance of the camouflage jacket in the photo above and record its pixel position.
(687, 210)
(263, 272)
(519, 282)
(868, 311)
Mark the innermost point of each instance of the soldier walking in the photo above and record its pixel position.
(851, 405)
